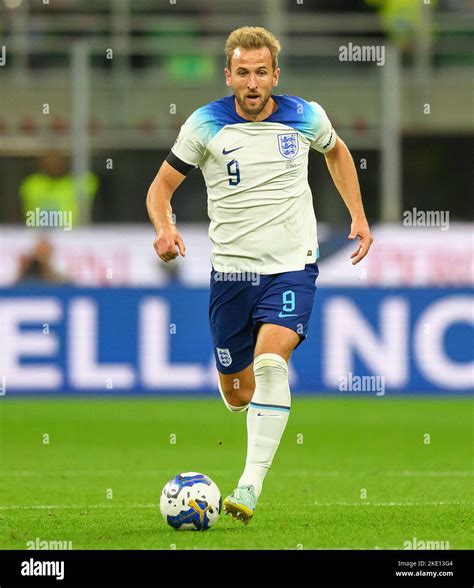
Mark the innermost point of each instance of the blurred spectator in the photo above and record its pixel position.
(402, 20)
(37, 267)
(178, 39)
(53, 188)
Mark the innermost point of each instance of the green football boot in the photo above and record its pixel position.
(241, 504)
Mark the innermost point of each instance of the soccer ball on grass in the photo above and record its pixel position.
(191, 501)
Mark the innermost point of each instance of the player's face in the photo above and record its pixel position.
(252, 78)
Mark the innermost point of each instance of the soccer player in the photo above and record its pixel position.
(252, 148)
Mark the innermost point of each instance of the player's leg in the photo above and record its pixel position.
(267, 415)
(230, 318)
(276, 339)
(270, 407)
(237, 389)
(285, 309)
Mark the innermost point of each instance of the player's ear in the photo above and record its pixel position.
(227, 77)
(276, 76)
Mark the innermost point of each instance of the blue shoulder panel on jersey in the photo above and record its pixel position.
(297, 113)
(211, 118)
(292, 111)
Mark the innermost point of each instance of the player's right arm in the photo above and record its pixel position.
(186, 154)
(168, 241)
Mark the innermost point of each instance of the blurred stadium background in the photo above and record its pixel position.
(92, 96)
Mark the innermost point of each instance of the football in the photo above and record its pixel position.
(191, 501)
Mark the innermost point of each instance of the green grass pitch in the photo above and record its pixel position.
(410, 458)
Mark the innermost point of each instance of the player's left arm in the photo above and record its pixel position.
(343, 172)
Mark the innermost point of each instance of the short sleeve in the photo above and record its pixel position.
(325, 135)
(189, 146)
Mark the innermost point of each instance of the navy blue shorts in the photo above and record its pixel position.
(241, 303)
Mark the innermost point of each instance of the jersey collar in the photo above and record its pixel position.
(271, 118)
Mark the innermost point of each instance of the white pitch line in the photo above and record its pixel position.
(126, 506)
(34, 474)
(39, 473)
(432, 474)
(404, 473)
(434, 503)
(73, 506)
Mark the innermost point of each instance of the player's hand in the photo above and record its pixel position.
(360, 229)
(168, 244)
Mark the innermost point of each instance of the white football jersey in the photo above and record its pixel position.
(259, 201)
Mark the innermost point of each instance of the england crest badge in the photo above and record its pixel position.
(224, 356)
(288, 145)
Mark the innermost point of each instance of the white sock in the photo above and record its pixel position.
(229, 406)
(266, 418)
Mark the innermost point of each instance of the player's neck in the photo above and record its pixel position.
(269, 109)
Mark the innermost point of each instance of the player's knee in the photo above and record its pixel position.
(240, 396)
(236, 397)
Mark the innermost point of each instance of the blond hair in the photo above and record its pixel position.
(252, 38)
